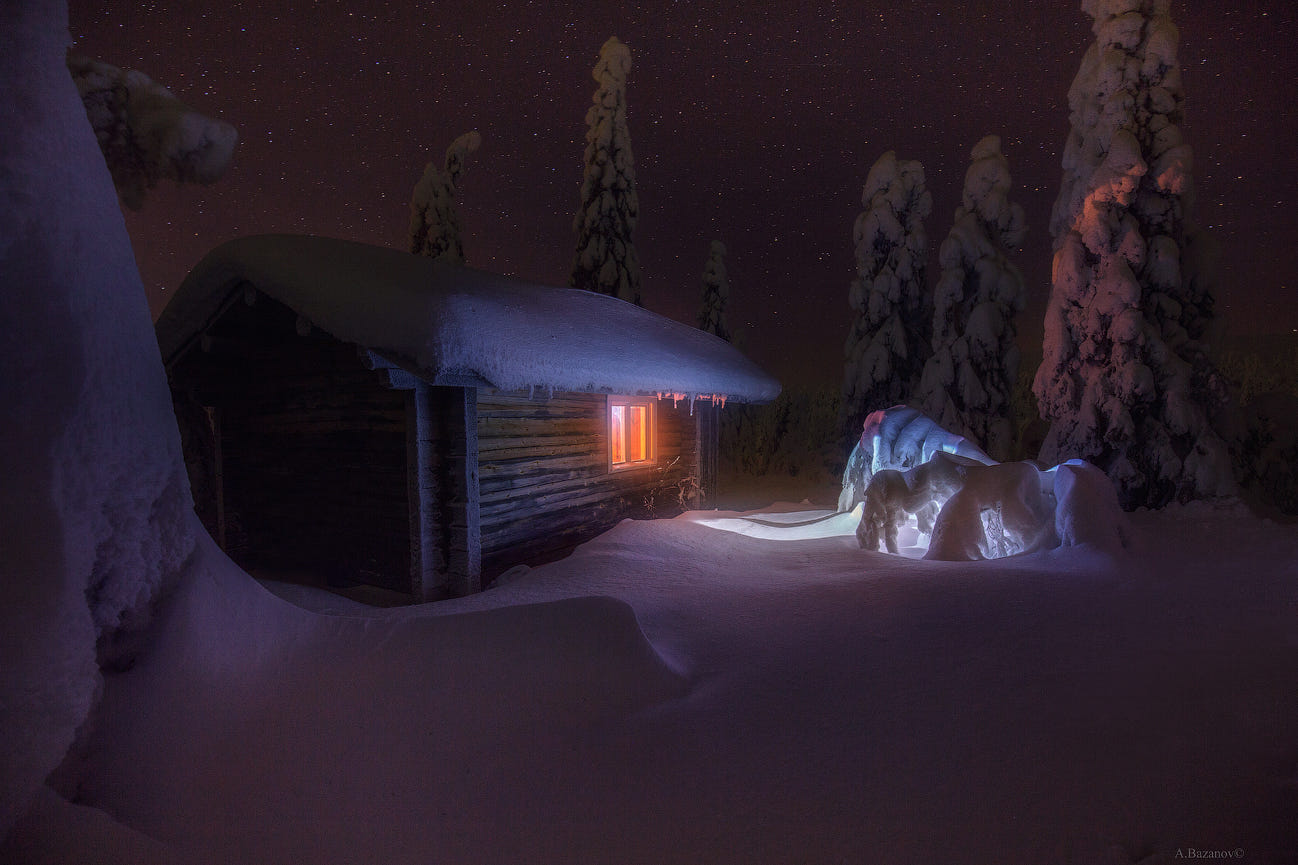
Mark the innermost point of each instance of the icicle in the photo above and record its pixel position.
(692, 396)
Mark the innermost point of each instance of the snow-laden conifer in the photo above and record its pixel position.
(434, 222)
(968, 382)
(1125, 381)
(716, 292)
(890, 332)
(147, 134)
(606, 259)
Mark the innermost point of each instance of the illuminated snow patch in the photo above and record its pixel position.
(797, 526)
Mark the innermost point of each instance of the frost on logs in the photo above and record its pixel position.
(939, 492)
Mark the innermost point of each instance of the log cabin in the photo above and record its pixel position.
(374, 416)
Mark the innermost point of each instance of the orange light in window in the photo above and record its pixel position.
(617, 433)
(637, 433)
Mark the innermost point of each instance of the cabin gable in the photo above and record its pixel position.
(297, 451)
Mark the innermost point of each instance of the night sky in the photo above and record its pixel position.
(752, 123)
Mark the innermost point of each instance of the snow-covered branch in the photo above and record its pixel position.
(147, 134)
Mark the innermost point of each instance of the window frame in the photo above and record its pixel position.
(651, 432)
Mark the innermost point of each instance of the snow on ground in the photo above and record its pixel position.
(675, 693)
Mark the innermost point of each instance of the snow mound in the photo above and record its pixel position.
(898, 438)
(95, 518)
(1087, 509)
(907, 475)
(347, 712)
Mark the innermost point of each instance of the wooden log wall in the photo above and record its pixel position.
(544, 479)
(445, 535)
(313, 448)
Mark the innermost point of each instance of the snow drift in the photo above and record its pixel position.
(94, 506)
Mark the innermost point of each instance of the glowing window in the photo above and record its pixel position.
(630, 432)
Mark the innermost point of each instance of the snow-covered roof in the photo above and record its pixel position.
(454, 324)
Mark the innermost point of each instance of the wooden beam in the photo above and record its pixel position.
(442, 490)
(707, 426)
(218, 474)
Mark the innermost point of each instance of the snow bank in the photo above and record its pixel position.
(95, 517)
(244, 693)
(842, 706)
(463, 325)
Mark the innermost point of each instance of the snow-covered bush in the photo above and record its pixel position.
(147, 134)
(889, 339)
(1267, 450)
(716, 292)
(959, 505)
(1259, 366)
(606, 259)
(1125, 380)
(898, 438)
(793, 435)
(95, 517)
(434, 222)
(968, 383)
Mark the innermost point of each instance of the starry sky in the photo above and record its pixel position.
(753, 123)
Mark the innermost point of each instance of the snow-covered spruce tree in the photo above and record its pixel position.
(147, 134)
(606, 260)
(968, 383)
(716, 291)
(434, 222)
(889, 339)
(1125, 381)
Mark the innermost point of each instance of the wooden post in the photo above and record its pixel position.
(707, 433)
(218, 473)
(462, 465)
(442, 489)
(426, 560)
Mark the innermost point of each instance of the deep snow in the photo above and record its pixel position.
(670, 692)
(676, 693)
